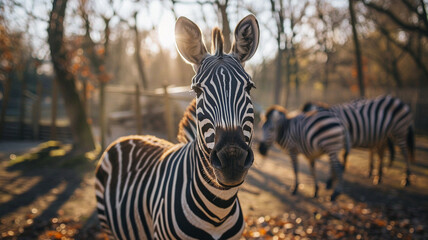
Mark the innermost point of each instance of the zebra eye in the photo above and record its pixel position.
(249, 87)
(197, 89)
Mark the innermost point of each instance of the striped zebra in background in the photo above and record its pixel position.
(376, 124)
(148, 188)
(312, 134)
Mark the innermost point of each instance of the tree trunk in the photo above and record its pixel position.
(296, 73)
(82, 136)
(54, 107)
(357, 49)
(140, 62)
(278, 80)
(22, 105)
(225, 25)
(326, 74)
(287, 79)
(5, 102)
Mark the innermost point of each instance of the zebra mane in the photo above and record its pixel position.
(217, 42)
(275, 108)
(187, 125)
(308, 106)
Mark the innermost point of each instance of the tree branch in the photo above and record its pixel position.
(395, 18)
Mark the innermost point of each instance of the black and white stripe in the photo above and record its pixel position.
(376, 124)
(148, 188)
(312, 134)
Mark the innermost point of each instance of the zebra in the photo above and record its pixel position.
(313, 134)
(149, 188)
(376, 124)
(321, 106)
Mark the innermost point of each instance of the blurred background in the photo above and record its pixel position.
(77, 74)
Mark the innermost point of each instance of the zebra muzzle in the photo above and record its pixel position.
(231, 164)
(231, 157)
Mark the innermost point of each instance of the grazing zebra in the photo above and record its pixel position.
(312, 134)
(148, 188)
(376, 124)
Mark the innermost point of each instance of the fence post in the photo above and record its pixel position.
(168, 115)
(54, 104)
(137, 109)
(84, 96)
(36, 111)
(22, 105)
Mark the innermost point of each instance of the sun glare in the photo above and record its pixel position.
(166, 31)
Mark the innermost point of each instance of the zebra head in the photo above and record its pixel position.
(274, 119)
(224, 111)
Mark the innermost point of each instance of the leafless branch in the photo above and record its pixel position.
(395, 18)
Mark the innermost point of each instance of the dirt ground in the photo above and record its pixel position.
(59, 202)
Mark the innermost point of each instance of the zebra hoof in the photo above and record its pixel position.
(315, 195)
(329, 183)
(294, 191)
(334, 196)
(316, 192)
(377, 180)
(405, 182)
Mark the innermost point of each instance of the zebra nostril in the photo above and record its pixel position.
(249, 160)
(231, 157)
(215, 161)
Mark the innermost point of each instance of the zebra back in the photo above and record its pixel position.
(313, 133)
(370, 121)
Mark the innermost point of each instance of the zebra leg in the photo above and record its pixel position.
(391, 151)
(380, 152)
(405, 153)
(345, 160)
(329, 182)
(295, 168)
(312, 162)
(337, 168)
(371, 159)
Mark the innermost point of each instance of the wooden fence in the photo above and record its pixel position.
(166, 95)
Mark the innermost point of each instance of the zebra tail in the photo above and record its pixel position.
(391, 151)
(411, 143)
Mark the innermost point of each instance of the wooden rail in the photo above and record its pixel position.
(163, 94)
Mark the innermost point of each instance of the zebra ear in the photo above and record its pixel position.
(247, 34)
(188, 38)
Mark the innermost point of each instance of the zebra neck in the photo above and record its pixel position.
(283, 131)
(214, 201)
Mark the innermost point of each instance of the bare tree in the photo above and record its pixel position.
(417, 7)
(137, 53)
(403, 17)
(81, 132)
(222, 9)
(330, 19)
(357, 48)
(277, 9)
